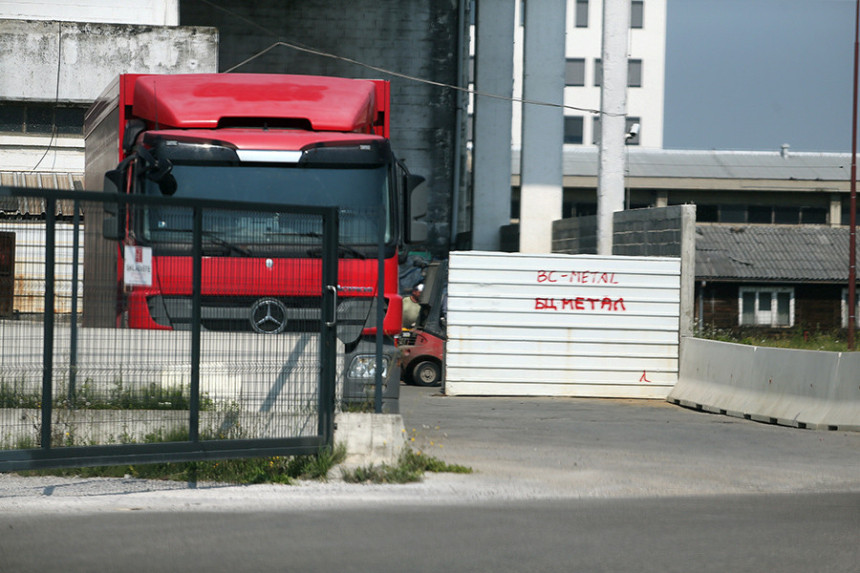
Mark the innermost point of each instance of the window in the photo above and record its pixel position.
(634, 73)
(707, 213)
(12, 117)
(637, 13)
(845, 308)
(846, 212)
(766, 306)
(786, 215)
(574, 72)
(581, 14)
(760, 214)
(813, 215)
(585, 209)
(573, 126)
(733, 214)
(41, 118)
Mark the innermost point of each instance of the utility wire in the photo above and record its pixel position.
(56, 95)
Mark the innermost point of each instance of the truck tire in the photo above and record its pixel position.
(427, 373)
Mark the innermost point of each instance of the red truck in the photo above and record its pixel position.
(291, 139)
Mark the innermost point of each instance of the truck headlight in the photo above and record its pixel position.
(364, 366)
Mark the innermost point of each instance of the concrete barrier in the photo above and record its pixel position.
(798, 388)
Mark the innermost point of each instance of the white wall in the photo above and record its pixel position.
(647, 44)
(562, 325)
(149, 12)
(75, 61)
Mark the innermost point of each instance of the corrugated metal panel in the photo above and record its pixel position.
(38, 180)
(562, 325)
(773, 253)
(29, 294)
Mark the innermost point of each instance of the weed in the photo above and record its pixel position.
(410, 468)
(276, 469)
(798, 338)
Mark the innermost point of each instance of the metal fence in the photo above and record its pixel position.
(208, 332)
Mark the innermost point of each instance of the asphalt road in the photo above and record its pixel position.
(559, 485)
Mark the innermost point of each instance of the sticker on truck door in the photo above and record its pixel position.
(138, 266)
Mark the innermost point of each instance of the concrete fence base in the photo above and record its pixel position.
(370, 438)
(798, 388)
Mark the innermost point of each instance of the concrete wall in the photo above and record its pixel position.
(147, 12)
(417, 38)
(799, 388)
(75, 61)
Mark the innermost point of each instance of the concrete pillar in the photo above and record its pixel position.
(543, 126)
(835, 210)
(613, 111)
(491, 168)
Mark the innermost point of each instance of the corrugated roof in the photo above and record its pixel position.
(38, 180)
(772, 253)
(699, 164)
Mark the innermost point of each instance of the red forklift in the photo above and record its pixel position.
(422, 348)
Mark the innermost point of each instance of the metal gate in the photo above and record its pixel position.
(224, 368)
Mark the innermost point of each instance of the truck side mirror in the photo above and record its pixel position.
(111, 229)
(416, 209)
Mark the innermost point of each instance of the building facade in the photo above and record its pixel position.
(583, 71)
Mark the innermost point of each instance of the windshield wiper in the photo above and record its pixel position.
(341, 248)
(213, 237)
(221, 242)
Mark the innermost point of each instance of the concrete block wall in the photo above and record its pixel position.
(649, 232)
(416, 38)
(654, 232)
(575, 236)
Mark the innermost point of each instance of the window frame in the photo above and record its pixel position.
(766, 318)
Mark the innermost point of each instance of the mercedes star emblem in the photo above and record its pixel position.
(269, 316)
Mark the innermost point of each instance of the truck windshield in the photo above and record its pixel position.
(358, 192)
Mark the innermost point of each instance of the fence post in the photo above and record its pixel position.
(48, 337)
(73, 339)
(196, 286)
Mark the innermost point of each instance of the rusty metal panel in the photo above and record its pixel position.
(29, 277)
(38, 180)
(7, 272)
(562, 325)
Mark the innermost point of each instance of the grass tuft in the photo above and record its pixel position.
(410, 468)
